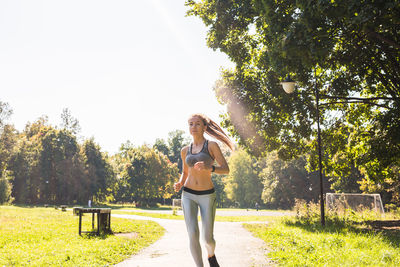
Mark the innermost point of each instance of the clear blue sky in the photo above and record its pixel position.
(127, 69)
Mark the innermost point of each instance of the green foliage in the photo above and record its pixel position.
(49, 166)
(172, 148)
(8, 139)
(98, 170)
(284, 181)
(176, 141)
(69, 123)
(219, 186)
(161, 146)
(347, 49)
(270, 180)
(144, 175)
(48, 237)
(5, 189)
(243, 185)
(5, 113)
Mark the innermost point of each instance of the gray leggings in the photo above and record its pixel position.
(190, 205)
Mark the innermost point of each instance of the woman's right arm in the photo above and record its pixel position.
(182, 180)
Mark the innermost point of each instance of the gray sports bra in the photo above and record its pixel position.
(203, 155)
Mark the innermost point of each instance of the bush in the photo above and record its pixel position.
(306, 211)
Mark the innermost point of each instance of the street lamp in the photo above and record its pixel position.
(288, 85)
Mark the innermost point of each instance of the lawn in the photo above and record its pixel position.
(49, 237)
(306, 243)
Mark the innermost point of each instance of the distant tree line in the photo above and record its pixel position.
(45, 164)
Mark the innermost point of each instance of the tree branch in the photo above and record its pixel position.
(356, 102)
(358, 98)
(383, 39)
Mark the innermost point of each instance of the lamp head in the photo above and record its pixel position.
(288, 85)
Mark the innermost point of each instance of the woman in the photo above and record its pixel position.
(198, 190)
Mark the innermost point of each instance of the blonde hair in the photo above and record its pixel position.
(214, 130)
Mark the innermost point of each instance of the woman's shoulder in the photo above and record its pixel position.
(185, 149)
(213, 145)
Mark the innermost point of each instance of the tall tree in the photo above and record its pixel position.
(69, 123)
(176, 141)
(97, 169)
(5, 113)
(349, 50)
(7, 135)
(8, 140)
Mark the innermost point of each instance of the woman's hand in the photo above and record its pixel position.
(178, 186)
(200, 166)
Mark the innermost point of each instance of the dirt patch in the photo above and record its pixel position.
(132, 235)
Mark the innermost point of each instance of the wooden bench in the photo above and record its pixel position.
(103, 219)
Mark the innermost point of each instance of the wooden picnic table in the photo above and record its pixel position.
(103, 219)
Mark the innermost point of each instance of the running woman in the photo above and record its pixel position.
(198, 190)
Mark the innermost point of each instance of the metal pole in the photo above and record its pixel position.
(320, 157)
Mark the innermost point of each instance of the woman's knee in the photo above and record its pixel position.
(193, 234)
(209, 240)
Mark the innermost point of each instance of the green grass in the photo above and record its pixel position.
(306, 243)
(49, 237)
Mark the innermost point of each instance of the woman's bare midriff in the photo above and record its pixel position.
(199, 180)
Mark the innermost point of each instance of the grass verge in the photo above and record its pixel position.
(49, 237)
(340, 243)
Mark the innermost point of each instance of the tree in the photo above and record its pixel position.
(176, 141)
(284, 181)
(8, 140)
(243, 184)
(69, 123)
(219, 186)
(7, 135)
(5, 188)
(161, 146)
(97, 170)
(46, 167)
(5, 113)
(23, 167)
(144, 175)
(349, 50)
(58, 149)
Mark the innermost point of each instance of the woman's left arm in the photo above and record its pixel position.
(216, 153)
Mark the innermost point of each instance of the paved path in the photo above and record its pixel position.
(250, 212)
(236, 247)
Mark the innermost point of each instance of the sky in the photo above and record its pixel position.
(126, 69)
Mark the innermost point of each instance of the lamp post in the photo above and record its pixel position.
(288, 86)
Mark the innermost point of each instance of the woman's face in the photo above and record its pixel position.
(196, 126)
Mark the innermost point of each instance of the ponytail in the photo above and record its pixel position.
(214, 130)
